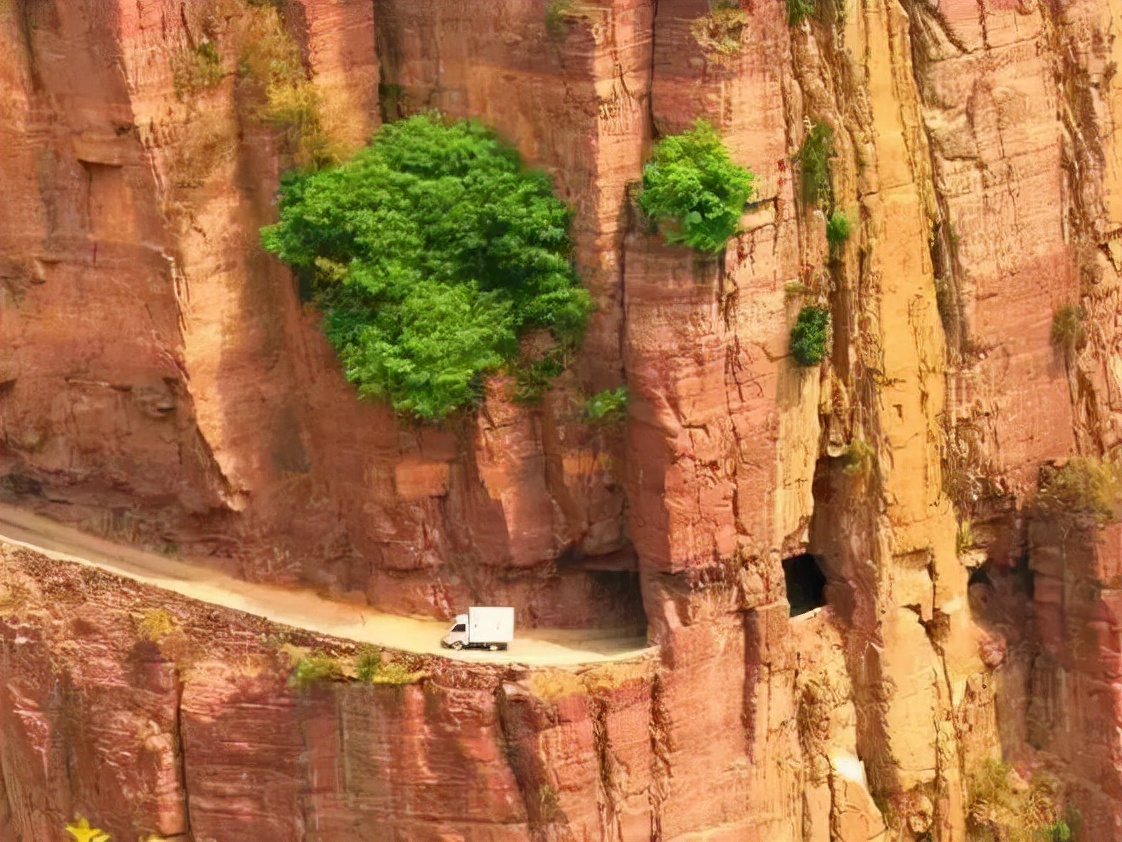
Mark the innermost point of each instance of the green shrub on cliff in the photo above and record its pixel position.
(368, 663)
(557, 16)
(1069, 331)
(195, 69)
(810, 336)
(313, 669)
(1003, 806)
(289, 101)
(607, 407)
(371, 669)
(799, 10)
(694, 192)
(430, 254)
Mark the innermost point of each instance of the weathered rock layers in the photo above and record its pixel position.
(160, 381)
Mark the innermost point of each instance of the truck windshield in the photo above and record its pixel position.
(461, 627)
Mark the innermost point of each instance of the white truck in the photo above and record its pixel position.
(485, 627)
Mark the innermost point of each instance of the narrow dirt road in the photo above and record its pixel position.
(301, 608)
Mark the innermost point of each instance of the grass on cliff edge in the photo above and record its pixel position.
(311, 668)
(693, 191)
(371, 669)
(430, 254)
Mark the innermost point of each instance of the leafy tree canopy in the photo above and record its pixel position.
(430, 253)
(696, 194)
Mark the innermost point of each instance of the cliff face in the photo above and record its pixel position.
(160, 381)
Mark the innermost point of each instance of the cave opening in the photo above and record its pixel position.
(806, 583)
(621, 592)
(979, 576)
(998, 594)
(980, 592)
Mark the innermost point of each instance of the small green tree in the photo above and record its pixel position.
(814, 164)
(837, 230)
(810, 335)
(430, 254)
(694, 192)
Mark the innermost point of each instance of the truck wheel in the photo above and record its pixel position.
(458, 645)
(494, 647)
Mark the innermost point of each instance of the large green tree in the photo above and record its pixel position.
(430, 253)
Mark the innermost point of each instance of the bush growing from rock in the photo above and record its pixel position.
(430, 254)
(1082, 485)
(857, 458)
(80, 831)
(720, 34)
(814, 162)
(837, 230)
(196, 69)
(1004, 806)
(371, 669)
(798, 11)
(810, 336)
(369, 663)
(157, 624)
(964, 537)
(1069, 332)
(557, 16)
(315, 668)
(693, 191)
(607, 407)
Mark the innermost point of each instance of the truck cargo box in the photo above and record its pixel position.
(490, 625)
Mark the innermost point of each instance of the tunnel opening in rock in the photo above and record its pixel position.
(613, 585)
(806, 583)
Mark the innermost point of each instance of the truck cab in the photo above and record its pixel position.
(483, 627)
(457, 636)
